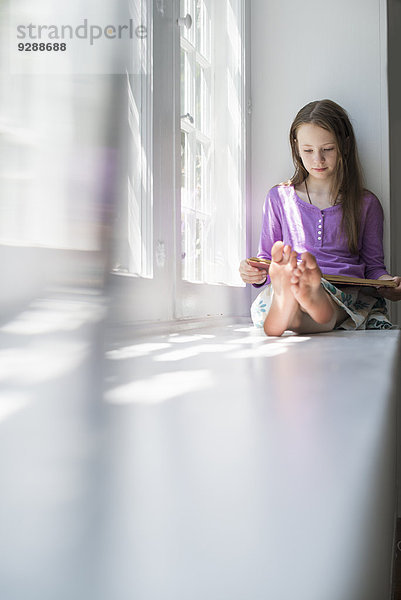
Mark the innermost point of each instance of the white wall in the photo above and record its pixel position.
(304, 51)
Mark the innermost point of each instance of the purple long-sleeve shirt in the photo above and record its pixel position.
(307, 228)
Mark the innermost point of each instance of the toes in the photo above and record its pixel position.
(295, 276)
(309, 260)
(277, 251)
(287, 253)
(293, 259)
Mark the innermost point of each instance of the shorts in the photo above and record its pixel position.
(365, 309)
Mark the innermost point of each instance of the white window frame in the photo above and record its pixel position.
(203, 212)
(165, 296)
(205, 299)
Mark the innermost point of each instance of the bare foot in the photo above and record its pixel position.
(308, 291)
(284, 306)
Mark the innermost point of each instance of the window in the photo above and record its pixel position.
(196, 143)
(181, 215)
(212, 141)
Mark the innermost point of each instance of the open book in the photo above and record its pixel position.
(263, 263)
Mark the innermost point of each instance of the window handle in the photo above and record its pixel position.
(185, 21)
(189, 117)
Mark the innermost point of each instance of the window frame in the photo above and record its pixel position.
(214, 299)
(166, 297)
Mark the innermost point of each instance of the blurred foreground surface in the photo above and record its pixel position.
(196, 464)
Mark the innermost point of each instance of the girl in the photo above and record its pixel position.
(326, 216)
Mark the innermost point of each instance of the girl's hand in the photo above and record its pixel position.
(251, 274)
(393, 294)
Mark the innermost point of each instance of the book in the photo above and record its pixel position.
(264, 263)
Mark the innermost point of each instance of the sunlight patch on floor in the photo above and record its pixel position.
(136, 350)
(259, 352)
(191, 352)
(11, 402)
(183, 339)
(160, 388)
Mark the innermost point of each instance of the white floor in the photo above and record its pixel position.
(215, 464)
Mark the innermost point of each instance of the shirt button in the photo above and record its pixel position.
(319, 238)
(320, 220)
(320, 226)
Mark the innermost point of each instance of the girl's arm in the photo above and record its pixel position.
(372, 253)
(271, 227)
(271, 232)
(372, 249)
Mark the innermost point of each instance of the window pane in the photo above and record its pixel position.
(196, 99)
(188, 7)
(199, 246)
(133, 249)
(198, 177)
(183, 163)
(203, 28)
(228, 191)
(213, 197)
(184, 107)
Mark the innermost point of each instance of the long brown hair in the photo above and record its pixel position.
(347, 182)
